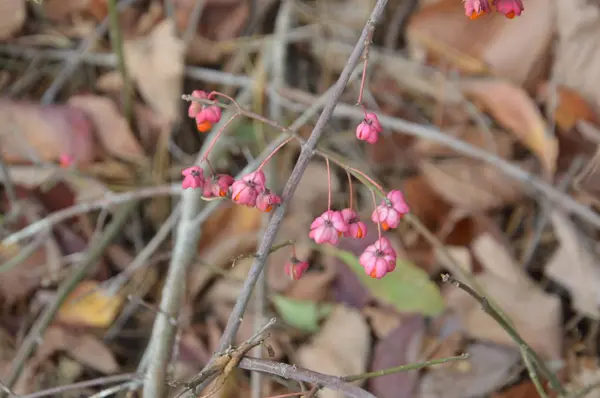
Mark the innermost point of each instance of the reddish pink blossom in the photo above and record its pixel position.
(397, 198)
(193, 178)
(390, 211)
(206, 115)
(196, 107)
(368, 130)
(510, 8)
(207, 118)
(379, 258)
(266, 200)
(328, 227)
(476, 8)
(246, 190)
(66, 160)
(356, 228)
(295, 268)
(218, 185)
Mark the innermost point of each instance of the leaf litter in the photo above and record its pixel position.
(488, 83)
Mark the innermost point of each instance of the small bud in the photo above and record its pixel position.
(368, 130)
(476, 8)
(220, 183)
(356, 228)
(390, 211)
(295, 268)
(246, 190)
(207, 118)
(196, 107)
(510, 8)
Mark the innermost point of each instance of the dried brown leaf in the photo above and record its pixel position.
(22, 279)
(577, 60)
(401, 345)
(535, 314)
(111, 128)
(12, 17)
(515, 49)
(571, 107)
(515, 110)
(575, 266)
(156, 63)
(487, 369)
(31, 130)
(471, 185)
(340, 348)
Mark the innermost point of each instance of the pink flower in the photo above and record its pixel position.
(295, 268)
(356, 228)
(266, 200)
(217, 185)
(65, 160)
(368, 130)
(379, 258)
(207, 117)
(398, 202)
(476, 8)
(390, 211)
(246, 190)
(196, 107)
(510, 8)
(193, 178)
(328, 227)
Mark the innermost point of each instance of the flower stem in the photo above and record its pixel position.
(368, 40)
(366, 177)
(351, 193)
(328, 184)
(214, 141)
(260, 166)
(375, 204)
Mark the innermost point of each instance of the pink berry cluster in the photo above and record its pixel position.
(206, 115)
(379, 258)
(250, 190)
(476, 8)
(368, 130)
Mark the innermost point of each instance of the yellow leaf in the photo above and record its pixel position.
(88, 307)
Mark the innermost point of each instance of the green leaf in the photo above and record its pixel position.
(407, 288)
(303, 315)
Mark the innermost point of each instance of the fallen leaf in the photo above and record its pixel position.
(111, 128)
(576, 59)
(408, 288)
(487, 369)
(19, 281)
(535, 314)
(60, 10)
(401, 346)
(156, 63)
(304, 315)
(525, 389)
(85, 348)
(341, 348)
(472, 185)
(312, 286)
(45, 132)
(513, 109)
(584, 377)
(382, 320)
(575, 266)
(88, 307)
(109, 82)
(517, 49)
(570, 106)
(13, 14)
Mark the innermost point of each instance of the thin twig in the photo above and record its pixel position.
(109, 200)
(533, 373)
(24, 253)
(300, 374)
(82, 384)
(9, 187)
(190, 30)
(405, 368)
(94, 253)
(116, 41)
(509, 328)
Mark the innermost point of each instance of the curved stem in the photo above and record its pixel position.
(260, 166)
(350, 185)
(214, 141)
(366, 177)
(375, 204)
(328, 184)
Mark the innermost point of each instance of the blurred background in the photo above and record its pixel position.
(473, 111)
